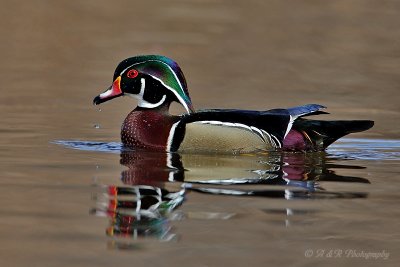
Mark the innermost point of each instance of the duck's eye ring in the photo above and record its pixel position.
(132, 74)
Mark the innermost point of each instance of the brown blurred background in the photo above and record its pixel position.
(57, 55)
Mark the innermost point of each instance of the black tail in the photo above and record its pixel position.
(324, 133)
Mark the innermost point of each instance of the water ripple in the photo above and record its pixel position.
(365, 149)
(109, 147)
(345, 148)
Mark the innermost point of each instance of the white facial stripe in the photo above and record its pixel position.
(173, 72)
(175, 93)
(122, 72)
(169, 88)
(142, 87)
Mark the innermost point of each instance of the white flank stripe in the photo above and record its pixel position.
(273, 140)
(254, 129)
(171, 136)
(268, 136)
(229, 124)
(258, 132)
(276, 141)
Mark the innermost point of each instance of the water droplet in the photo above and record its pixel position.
(97, 126)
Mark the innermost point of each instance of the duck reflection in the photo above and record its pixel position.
(154, 185)
(293, 169)
(139, 211)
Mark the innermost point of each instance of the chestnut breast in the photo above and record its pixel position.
(147, 129)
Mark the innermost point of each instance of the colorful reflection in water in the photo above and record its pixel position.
(145, 199)
(155, 185)
(138, 211)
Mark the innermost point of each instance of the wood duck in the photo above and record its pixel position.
(156, 81)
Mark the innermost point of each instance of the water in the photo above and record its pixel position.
(345, 148)
(150, 194)
(72, 196)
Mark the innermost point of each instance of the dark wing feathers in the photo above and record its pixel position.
(274, 122)
(324, 133)
(306, 110)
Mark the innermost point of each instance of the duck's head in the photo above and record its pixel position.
(153, 80)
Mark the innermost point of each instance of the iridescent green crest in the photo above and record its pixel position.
(163, 69)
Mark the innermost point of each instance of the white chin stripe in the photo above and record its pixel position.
(143, 103)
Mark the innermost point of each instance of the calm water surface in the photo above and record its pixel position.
(99, 202)
(71, 196)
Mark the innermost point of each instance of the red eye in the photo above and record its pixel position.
(132, 74)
